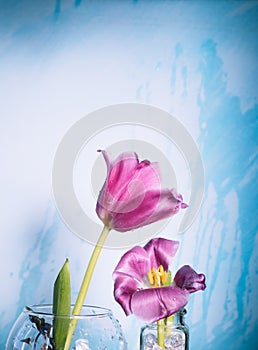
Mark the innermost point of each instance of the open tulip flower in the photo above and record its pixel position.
(132, 197)
(142, 285)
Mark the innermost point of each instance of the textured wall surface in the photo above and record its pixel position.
(60, 60)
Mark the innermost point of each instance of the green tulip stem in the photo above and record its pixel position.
(161, 335)
(85, 285)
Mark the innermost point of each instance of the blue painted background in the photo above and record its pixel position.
(60, 60)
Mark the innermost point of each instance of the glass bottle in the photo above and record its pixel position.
(173, 334)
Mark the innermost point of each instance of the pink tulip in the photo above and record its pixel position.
(132, 196)
(136, 295)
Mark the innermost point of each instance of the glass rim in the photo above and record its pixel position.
(154, 326)
(46, 310)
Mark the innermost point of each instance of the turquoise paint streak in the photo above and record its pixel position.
(37, 263)
(229, 152)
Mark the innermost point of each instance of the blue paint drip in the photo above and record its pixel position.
(38, 252)
(228, 143)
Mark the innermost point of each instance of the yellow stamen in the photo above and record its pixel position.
(164, 277)
(150, 277)
(157, 277)
(161, 269)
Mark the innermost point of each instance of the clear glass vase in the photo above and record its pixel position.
(173, 335)
(96, 329)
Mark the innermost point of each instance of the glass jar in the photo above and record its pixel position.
(171, 335)
(96, 329)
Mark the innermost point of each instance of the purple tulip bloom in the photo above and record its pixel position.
(140, 286)
(132, 196)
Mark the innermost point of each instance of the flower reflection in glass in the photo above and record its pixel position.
(142, 286)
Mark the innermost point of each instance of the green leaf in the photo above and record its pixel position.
(61, 305)
(169, 279)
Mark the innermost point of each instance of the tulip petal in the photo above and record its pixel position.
(135, 263)
(153, 304)
(126, 175)
(117, 178)
(124, 288)
(150, 207)
(121, 172)
(156, 205)
(161, 251)
(169, 205)
(187, 278)
(143, 205)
